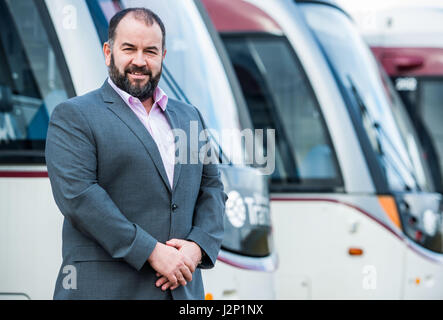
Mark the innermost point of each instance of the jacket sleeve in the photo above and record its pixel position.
(208, 230)
(71, 158)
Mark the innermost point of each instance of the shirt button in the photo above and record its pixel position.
(174, 207)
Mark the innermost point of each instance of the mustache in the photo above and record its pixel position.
(142, 70)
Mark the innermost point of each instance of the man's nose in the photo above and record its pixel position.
(139, 60)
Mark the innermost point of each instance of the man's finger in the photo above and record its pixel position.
(190, 264)
(187, 274)
(161, 281)
(173, 279)
(166, 286)
(180, 277)
(169, 285)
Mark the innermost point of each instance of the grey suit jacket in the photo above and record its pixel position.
(109, 182)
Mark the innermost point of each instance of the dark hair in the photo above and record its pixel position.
(144, 14)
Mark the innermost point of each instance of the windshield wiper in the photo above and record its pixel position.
(380, 131)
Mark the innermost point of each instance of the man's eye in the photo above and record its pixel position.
(128, 49)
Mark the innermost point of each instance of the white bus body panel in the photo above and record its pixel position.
(316, 256)
(30, 238)
(424, 274)
(226, 282)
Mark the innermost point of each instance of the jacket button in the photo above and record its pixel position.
(174, 207)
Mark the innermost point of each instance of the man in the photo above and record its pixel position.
(137, 225)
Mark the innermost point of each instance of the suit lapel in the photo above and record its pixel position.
(116, 104)
(175, 123)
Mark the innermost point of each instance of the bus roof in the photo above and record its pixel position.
(240, 16)
(410, 61)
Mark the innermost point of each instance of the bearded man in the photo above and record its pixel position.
(137, 223)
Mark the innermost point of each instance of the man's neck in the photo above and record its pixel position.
(148, 104)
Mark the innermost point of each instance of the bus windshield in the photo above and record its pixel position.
(33, 80)
(279, 96)
(422, 96)
(383, 117)
(409, 134)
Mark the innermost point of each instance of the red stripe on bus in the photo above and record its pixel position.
(23, 174)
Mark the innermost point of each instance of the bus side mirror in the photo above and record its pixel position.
(6, 103)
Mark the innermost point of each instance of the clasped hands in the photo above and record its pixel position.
(175, 262)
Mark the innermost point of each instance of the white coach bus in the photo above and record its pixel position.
(51, 50)
(354, 211)
(412, 56)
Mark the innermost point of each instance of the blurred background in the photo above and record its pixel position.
(344, 100)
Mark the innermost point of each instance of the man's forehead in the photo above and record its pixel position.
(137, 30)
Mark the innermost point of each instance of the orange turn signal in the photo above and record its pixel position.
(209, 296)
(355, 252)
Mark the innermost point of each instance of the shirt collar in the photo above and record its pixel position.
(160, 97)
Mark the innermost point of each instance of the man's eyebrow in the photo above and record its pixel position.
(152, 48)
(127, 44)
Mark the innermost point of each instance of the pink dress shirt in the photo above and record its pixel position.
(156, 123)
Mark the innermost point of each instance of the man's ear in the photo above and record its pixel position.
(107, 52)
(164, 54)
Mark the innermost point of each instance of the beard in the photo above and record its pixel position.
(141, 92)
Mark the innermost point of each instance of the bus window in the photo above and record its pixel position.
(419, 148)
(279, 97)
(31, 81)
(431, 94)
(420, 97)
(392, 138)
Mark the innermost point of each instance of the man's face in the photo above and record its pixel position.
(136, 59)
